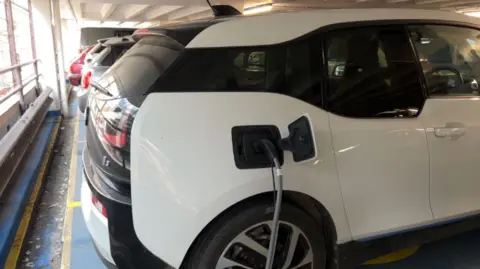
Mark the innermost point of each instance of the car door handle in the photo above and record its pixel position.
(452, 130)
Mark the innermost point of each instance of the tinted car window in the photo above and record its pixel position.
(135, 72)
(292, 69)
(372, 73)
(115, 53)
(450, 58)
(219, 70)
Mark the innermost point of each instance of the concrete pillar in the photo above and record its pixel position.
(48, 51)
(58, 47)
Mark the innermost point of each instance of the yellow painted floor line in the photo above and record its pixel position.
(395, 256)
(67, 225)
(14, 253)
(74, 204)
(69, 91)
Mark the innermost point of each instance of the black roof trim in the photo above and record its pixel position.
(224, 10)
(184, 32)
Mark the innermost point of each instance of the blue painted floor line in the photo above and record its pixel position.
(81, 142)
(83, 254)
(13, 204)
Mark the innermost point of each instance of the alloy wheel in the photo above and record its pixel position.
(248, 250)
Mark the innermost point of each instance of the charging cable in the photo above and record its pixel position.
(272, 153)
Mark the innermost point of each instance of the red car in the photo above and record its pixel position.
(75, 70)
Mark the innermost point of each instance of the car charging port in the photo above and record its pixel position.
(248, 154)
(246, 148)
(262, 147)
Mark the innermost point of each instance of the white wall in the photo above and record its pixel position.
(44, 43)
(71, 41)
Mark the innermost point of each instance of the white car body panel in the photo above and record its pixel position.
(182, 164)
(97, 224)
(455, 168)
(374, 176)
(276, 28)
(383, 165)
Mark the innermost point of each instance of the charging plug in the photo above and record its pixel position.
(265, 146)
(247, 149)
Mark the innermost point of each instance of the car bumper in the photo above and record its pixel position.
(126, 249)
(97, 225)
(74, 79)
(82, 95)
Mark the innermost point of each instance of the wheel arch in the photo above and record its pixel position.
(305, 202)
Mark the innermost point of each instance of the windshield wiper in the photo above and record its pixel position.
(100, 88)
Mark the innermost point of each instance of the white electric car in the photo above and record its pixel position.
(392, 98)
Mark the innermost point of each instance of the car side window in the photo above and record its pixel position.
(372, 73)
(450, 58)
(218, 70)
(291, 69)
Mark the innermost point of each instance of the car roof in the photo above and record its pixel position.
(101, 40)
(184, 32)
(119, 41)
(275, 28)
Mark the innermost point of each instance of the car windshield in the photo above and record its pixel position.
(136, 71)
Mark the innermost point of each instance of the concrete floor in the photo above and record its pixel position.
(44, 243)
(458, 252)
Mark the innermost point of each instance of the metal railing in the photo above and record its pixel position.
(19, 88)
(17, 140)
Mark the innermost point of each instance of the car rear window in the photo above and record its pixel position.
(97, 49)
(115, 53)
(135, 72)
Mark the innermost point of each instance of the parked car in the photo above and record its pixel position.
(95, 50)
(396, 144)
(85, 56)
(75, 70)
(112, 50)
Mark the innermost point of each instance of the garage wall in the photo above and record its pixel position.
(90, 36)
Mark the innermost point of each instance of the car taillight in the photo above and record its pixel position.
(112, 119)
(141, 31)
(99, 206)
(86, 79)
(71, 68)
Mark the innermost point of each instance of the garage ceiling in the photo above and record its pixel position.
(147, 13)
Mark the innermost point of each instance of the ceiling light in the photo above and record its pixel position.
(474, 14)
(129, 24)
(110, 23)
(88, 23)
(258, 9)
(145, 24)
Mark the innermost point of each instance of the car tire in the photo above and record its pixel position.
(211, 245)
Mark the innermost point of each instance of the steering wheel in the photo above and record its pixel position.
(444, 83)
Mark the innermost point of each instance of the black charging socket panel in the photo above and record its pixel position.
(300, 140)
(247, 152)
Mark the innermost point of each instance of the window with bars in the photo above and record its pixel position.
(6, 79)
(23, 41)
(21, 26)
